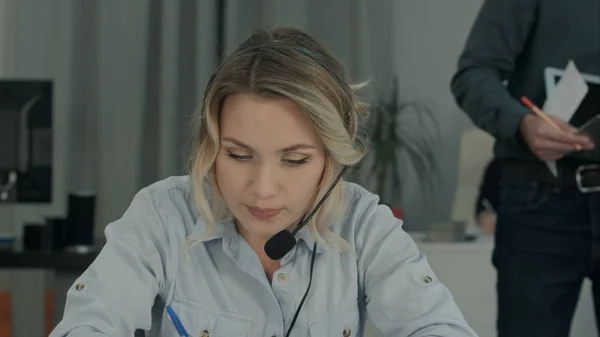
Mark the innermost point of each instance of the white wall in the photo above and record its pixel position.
(6, 213)
(35, 51)
(429, 36)
(3, 27)
(41, 53)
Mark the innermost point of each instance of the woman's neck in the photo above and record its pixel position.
(257, 243)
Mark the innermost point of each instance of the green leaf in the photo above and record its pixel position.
(401, 130)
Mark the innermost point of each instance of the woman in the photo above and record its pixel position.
(278, 125)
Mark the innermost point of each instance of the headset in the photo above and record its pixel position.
(283, 242)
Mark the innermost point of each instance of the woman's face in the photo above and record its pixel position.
(270, 163)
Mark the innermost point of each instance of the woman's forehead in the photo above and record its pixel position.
(273, 122)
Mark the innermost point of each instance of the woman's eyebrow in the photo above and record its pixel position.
(297, 147)
(236, 142)
(300, 146)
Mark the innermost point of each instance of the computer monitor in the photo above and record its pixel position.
(26, 141)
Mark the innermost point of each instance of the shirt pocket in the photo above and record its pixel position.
(204, 322)
(342, 323)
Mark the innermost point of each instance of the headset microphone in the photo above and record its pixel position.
(284, 241)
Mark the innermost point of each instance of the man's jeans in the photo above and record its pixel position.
(547, 243)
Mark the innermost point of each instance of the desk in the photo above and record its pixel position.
(28, 273)
(464, 267)
(55, 261)
(28, 284)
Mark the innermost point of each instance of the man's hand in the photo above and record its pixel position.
(487, 221)
(547, 143)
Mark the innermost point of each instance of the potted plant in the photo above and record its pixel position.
(402, 134)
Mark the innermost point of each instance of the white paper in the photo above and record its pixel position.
(566, 97)
(564, 100)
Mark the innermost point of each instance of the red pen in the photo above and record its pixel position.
(543, 116)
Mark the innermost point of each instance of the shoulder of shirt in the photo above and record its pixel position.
(361, 205)
(173, 189)
(169, 185)
(172, 196)
(358, 195)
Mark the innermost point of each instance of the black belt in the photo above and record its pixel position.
(585, 176)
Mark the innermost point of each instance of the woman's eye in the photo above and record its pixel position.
(290, 162)
(296, 162)
(238, 157)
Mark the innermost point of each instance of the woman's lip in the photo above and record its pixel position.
(264, 210)
(263, 213)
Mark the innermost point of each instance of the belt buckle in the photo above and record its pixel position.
(579, 178)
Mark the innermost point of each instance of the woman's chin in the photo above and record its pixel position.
(250, 225)
(257, 229)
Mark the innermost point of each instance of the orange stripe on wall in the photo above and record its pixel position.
(5, 313)
(48, 311)
(5, 319)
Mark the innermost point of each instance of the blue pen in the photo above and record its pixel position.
(177, 322)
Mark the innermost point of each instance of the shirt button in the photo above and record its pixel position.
(282, 277)
(427, 279)
(205, 333)
(80, 286)
(346, 332)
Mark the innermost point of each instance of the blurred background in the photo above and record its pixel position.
(101, 92)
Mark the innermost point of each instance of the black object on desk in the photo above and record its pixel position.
(57, 233)
(80, 220)
(47, 237)
(34, 237)
(56, 261)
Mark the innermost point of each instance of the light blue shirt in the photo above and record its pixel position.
(219, 287)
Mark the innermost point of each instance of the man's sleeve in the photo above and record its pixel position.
(496, 39)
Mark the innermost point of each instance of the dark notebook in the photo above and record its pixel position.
(589, 107)
(592, 130)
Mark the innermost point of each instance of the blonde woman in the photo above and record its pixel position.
(264, 238)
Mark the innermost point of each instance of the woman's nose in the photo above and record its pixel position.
(265, 182)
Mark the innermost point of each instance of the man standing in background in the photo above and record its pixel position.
(547, 239)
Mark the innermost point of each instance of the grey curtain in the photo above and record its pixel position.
(127, 75)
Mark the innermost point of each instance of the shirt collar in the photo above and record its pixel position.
(223, 230)
(305, 235)
(229, 234)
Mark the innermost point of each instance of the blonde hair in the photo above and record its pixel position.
(282, 62)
